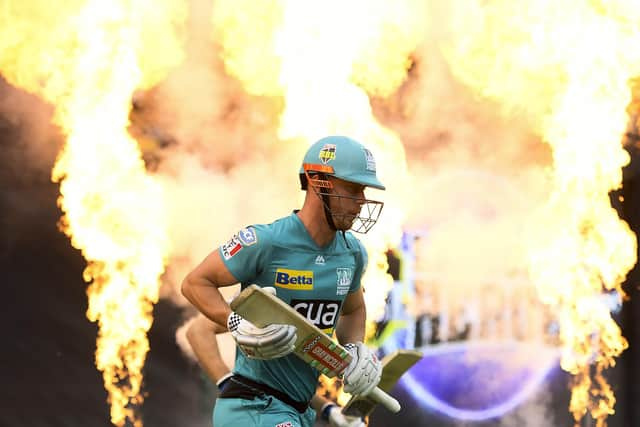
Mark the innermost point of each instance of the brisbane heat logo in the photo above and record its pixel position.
(327, 153)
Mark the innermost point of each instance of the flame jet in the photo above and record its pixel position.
(566, 67)
(87, 57)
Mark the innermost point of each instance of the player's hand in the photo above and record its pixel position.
(270, 342)
(364, 372)
(338, 419)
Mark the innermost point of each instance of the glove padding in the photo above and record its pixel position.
(364, 372)
(338, 419)
(270, 342)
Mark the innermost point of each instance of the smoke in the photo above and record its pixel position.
(477, 176)
(223, 166)
(29, 145)
(535, 413)
(27, 135)
(206, 205)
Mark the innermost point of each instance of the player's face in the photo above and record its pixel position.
(347, 203)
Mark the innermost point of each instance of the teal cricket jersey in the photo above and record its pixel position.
(313, 280)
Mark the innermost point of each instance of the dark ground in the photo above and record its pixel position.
(47, 363)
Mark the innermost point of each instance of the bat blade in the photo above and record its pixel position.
(313, 345)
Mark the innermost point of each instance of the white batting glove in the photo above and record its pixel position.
(271, 342)
(337, 419)
(364, 372)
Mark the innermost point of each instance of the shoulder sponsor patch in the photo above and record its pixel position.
(327, 153)
(285, 424)
(232, 247)
(294, 279)
(248, 236)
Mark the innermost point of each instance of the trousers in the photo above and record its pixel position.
(261, 411)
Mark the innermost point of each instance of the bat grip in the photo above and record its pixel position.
(384, 399)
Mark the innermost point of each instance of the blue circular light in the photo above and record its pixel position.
(478, 380)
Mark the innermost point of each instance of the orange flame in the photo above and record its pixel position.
(87, 58)
(567, 66)
(324, 59)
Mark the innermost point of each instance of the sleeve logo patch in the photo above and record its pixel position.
(232, 247)
(248, 236)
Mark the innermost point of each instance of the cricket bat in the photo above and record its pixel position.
(394, 365)
(313, 346)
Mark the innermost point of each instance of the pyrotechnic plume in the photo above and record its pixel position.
(296, 71)
(324, 60)
(87, 58)
(566, 68)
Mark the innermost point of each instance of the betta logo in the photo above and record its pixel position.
(294, 279)
(327, 153)
(322, 313)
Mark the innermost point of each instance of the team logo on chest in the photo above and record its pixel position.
(322, 313)
(345, 277)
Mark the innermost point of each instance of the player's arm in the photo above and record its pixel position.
(351, 323)
(200, 287)
(201, 334)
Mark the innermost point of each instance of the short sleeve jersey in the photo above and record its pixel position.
(313, 280)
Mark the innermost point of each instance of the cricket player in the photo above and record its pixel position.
(203, 334)
(315, 264)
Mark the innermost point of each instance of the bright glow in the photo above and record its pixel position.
(324, 59)
(535, 374)
(566, 67)
(87, 58)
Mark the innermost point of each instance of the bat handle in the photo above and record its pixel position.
(385, 400)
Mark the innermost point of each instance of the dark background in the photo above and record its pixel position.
(47, 360)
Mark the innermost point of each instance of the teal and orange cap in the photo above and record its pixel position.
(342, 157)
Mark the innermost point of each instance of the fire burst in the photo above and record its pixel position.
(325, 75)
(86, 58)
(567, 67)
